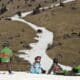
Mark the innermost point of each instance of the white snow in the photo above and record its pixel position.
(28, 76)
(66, 1)
(38, 49)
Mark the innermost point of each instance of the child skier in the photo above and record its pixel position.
(55, 68)
(36, 67)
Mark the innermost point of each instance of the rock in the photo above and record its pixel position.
(73, 8)
(0, 18)
(22, 42)
(59, 44)
(3, 9)
(43, 9)
(66, 36)
(10, 38)
(74, 34)
(23, 30)
(18, 7)
(8, 19)
(74, 62)
(62, 4)
(60, 55)
(37, 9)
(79, 34)
(17, 35)
(29, 5)
(6, 44)
(0, 34)
(26, 46)
(49, 46)
(18, 13)
(45, 1)
(39, 31)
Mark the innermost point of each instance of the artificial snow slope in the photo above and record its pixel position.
(28, 76)
(39, 48)
(45, 39)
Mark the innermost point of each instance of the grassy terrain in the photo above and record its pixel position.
(20, 5)
(18, 35)
(63, 22)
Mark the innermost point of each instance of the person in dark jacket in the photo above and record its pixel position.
(55, 68)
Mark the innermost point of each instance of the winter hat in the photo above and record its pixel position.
(38, 57)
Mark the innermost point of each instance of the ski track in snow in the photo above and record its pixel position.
(44, 39)
(38, 49)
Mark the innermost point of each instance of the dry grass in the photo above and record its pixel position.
(62, 21)
(18, 35)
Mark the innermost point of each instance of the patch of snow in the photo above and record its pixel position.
(28, 76)
(25, 14)
(66, 1)
(39, 48)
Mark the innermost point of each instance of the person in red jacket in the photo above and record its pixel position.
(55, 68)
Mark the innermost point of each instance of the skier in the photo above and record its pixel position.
(76, 69)
(36, 67)
(55, 68)
(6, 57)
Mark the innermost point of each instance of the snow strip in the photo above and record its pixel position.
(47, 7)
(39, 48)
(44, 40)
(66, 1)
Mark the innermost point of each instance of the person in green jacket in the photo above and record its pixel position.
(76, 69)
(6, 57)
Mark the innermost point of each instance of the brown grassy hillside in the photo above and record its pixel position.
(63, 22)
